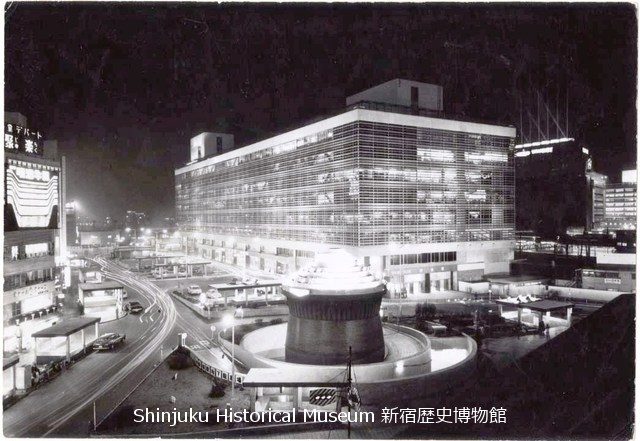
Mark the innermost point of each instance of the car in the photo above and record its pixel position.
(108, 341)
(213, 293)
(194, 290)
(250, 281)
(134, 307)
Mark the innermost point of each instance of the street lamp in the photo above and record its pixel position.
(229, 321)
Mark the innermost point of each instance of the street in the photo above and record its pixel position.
(65, 406)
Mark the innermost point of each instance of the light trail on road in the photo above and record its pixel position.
(90, 380)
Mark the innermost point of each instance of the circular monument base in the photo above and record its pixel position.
(326, 342)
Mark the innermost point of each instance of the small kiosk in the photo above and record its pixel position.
(63, 340)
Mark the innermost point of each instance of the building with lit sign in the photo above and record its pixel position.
(34, 229)
(422, 200)
(556, 187)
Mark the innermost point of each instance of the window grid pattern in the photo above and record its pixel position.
(359, 184)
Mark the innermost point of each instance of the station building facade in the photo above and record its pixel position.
(423, 201)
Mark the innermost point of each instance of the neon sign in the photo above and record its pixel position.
(32, 191)
(22, 139)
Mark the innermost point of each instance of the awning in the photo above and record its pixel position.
(539, 305)
(67, 327)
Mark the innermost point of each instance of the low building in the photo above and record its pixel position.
(613, 272)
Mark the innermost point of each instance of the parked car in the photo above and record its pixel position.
(250, 281)
(134, 307)
(213, 293)
(108, 341)
(194, 290)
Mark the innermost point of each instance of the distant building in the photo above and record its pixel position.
(136, 220)
(555, 187)
(598, 184)
(34, 229)
(73, 238)
(420, 199)
(620, 204)
(99, 238)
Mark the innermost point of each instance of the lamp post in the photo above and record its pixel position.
(229, 321)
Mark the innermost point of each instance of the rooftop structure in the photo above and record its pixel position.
(406, 93)
(208, 144)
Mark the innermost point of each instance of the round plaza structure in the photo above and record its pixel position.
(334, 307)
(334, 311)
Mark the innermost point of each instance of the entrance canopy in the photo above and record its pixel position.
(51, 351)
(539, 305)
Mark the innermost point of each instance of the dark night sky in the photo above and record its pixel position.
(123, 86)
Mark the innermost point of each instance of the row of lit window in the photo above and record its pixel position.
(367, 238)
(410, 259)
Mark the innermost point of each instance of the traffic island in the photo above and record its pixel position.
(167, 393)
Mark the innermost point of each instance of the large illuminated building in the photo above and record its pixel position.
(420, 199)
(34, 229)
(556, 187)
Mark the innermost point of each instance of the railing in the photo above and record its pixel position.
(212, 371)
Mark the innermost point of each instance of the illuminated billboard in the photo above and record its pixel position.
(22, 139)
(32, 196)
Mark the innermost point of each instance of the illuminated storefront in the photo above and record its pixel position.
(423, 201)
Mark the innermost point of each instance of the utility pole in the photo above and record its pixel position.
(348, 394)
